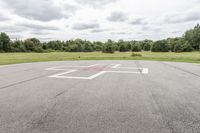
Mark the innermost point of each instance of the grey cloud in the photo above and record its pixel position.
(3, 18)
(118, 17)
(144, 28)
(118, 33)
(71, 8)
(96, 3)
(39, 32)
(151, 28)
(85, 26)
(99, 30)
(138, 21)
(38, 27)
(176, 32)
(46, 39)
(15, 36)
(38, 10)
(11, 29)
(183, 17)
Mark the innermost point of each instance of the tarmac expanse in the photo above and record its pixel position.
(100, 97)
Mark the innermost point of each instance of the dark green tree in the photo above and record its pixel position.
(109, 47)
(160, 46)
(193, 37)
(136, 47)
(4, 42)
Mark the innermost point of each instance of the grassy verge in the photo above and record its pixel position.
(14, 58)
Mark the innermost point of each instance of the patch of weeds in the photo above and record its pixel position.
(136, 55)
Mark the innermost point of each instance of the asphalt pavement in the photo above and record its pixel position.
(100, 97)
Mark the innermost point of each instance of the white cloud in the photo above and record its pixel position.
(98, 19)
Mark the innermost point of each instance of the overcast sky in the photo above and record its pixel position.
(98, 19)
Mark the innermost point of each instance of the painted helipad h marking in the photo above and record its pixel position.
(114, 66)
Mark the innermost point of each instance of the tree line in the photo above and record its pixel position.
(189, 42)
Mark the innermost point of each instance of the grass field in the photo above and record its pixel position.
(13, 58)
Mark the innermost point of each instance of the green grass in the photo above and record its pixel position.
(14, 58)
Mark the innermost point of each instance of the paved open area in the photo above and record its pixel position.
(100, 97)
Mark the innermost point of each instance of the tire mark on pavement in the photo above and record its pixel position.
(155, 106)
(24, 81)
(180, 69)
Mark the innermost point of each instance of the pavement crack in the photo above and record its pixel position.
(64, 91)
(139, 66)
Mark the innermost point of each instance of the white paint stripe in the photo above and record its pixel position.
(96, 75)
(75, 66)
(122, 72)
(55, 68)
(69, 77)
(57, 75)
(58, 67)
(129, 68)
(145, 71)
(115, 66)
(93, 65)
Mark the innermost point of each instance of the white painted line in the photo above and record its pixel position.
(58, 75)
(58, 67)
(122, 72)
(93, 65)
(116, 66)
(70, 77)
(55, 68)
(96, 75)
(75, 66)
(145, 71)
(129, 68)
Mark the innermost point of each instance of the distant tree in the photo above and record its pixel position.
(193, 37)
(55, 45)
(33, 45)
(122, 48)
(109, 47)
(88, 47)
(18, 46)
(98, 46)
(136, 47)
(183, 47)
(146, 45)
(160, 46)
(4, 42)
(29, 45)
(179, 44)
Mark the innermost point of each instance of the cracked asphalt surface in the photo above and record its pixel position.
(167, 100)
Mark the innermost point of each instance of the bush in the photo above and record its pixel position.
(38, 50)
